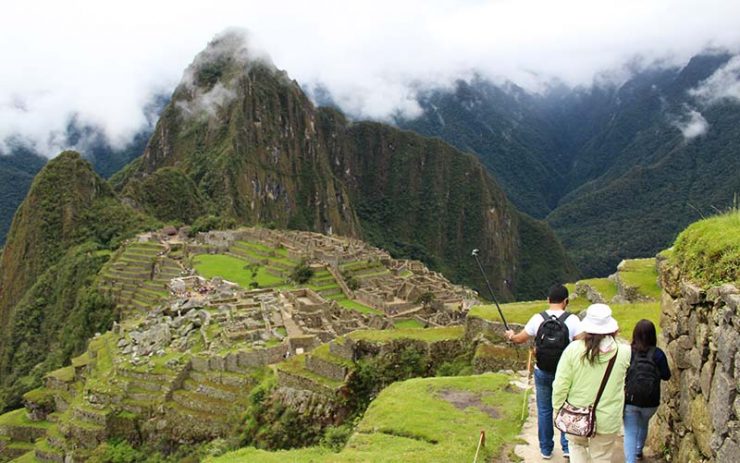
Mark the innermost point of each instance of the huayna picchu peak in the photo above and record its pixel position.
(240, 140)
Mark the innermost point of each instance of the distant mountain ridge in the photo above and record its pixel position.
(607, 166)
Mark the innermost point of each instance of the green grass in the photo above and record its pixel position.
(411, 422)
(642, 274)
(65, 374)
(412, 323)
(421, 334)
(357, 307)
(708, 251)
(19, 418)
(232, 269)
(604, 286)
(521, 312)
(29, 457)
(627, 315)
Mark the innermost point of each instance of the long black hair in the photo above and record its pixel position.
(643, 336)
(592, 342)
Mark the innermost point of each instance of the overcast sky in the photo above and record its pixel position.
(103, 60)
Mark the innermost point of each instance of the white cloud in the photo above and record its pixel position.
(692, 124)
(103, 61)
(724, 84)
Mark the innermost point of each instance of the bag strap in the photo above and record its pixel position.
(545, 316)
(605, 379)
(564, 316)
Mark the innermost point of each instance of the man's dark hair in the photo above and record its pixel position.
(557, 294)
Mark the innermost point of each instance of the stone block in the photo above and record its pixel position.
(721, 400)
(692, 294)
(705, 379)
(695, 359)
(701, 425)
(216, 363)
(688, 452)
(231, 362)
(199, 363)
(727, 343)
(729, 451)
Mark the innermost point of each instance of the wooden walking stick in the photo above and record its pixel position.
(481, 443)
(526, 395)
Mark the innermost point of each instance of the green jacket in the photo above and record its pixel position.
(577, 381)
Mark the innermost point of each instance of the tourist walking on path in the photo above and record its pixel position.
(648, 366)
(552, 330)
(579, 375)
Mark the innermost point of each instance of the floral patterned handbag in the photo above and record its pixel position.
(581, 421)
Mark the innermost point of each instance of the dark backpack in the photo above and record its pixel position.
(551, 340)
(642, 387)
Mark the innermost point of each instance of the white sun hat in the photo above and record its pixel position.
(599, 320)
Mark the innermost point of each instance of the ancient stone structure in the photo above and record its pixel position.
(699, 417)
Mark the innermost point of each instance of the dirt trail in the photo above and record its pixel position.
(530, 452)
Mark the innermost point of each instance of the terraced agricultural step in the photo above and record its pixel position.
(89, 435)
(140, 407)
(90, 415)
(55, 439)
(333, 370)
(217, 422)
(246, 257)
(15, 449)
(201, 402)
(234, 380)
(330, 291)
(212, 390)
(144, 395)
(161, 379)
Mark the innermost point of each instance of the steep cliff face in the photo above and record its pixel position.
(257, 150)
(46, 224)
(43, 270)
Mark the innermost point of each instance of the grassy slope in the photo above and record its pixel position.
(233, 269)
(708, 251)
(642, 274)
(403, 424)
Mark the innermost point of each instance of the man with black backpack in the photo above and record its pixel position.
(552, 330)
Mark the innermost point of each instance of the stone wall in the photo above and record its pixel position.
(699, 416)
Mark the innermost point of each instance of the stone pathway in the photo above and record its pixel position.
(530, 452)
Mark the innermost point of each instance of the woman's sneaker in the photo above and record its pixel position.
(566, 455)
(546, 456)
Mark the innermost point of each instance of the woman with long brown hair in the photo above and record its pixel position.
(582, 370)
(648, 366)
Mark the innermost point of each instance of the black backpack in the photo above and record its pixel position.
(551, 340)
(642, 387)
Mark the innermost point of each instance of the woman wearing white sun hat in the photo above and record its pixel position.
(578, 378)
